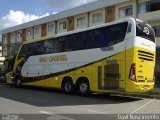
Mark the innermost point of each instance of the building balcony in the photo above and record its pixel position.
(150, 16)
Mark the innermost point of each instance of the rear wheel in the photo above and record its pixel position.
(83, 88)
(67, 86)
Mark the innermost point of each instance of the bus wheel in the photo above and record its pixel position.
(83, 88)
(67, 86)
(17, 82)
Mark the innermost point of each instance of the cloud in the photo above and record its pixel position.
(17, 17)
(61, 5)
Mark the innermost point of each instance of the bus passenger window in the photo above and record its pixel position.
(116, 33)
(48, 47)
(102, 39)
(92, 39)
(80, 42)
(57, 45)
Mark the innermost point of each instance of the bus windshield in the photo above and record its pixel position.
(15, 49)
(9, 64)
(144, 30)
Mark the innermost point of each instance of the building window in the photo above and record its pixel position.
(5, 49)
(37, 31)
(157, 31)
(125, 11)
(13, 37)
(30, 33)
(19, 34)
(5, 39)
(109, 11)
(97, 18)
(153, 5)
(143, 8)
(50, 28)
(81, 21)
(62, 25)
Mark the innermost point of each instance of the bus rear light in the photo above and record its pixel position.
(132, 74)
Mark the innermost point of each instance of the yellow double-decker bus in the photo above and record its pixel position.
(113, 57)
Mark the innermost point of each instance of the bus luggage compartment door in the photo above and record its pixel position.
(111, 76)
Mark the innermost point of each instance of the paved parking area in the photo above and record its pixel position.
(49, 103)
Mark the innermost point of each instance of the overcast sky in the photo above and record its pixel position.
(14, 12)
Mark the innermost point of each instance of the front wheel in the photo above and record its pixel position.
(83, 88)
(17, 82)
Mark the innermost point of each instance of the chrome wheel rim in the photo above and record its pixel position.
(68, 87)
(83, 88)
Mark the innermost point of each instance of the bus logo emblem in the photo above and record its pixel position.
(146, 30)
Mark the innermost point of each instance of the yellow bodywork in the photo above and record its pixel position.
(124, 60)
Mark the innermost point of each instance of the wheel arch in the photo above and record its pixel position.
(66, 78)
(83, 78)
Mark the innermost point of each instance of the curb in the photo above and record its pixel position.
(153, 94)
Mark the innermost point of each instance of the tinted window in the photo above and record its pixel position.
(9, 64)
(47, 47)
(145, 31)
(80, 41)
(31, 49)
(116, 33)
(92, 39)
(96, 38)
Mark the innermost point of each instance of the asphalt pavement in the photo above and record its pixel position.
(48, 104)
